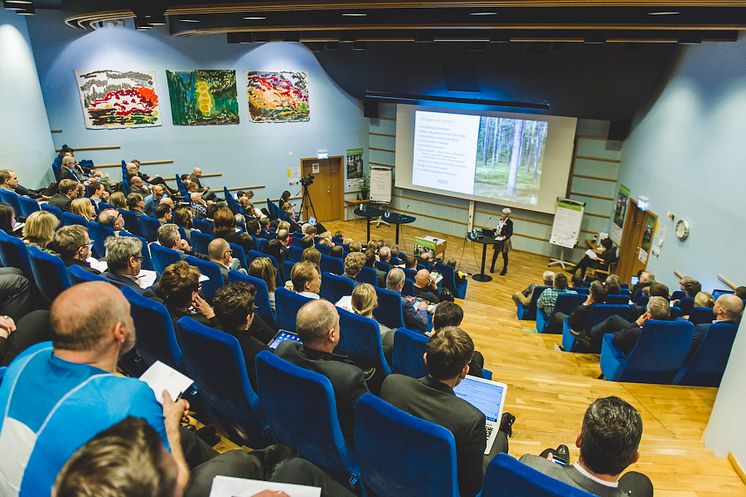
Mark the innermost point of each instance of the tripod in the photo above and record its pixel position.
(306, 202)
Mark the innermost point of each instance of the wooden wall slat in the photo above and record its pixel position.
(88, 149)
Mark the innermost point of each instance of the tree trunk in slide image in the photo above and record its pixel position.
(515, 156)
(496, 151)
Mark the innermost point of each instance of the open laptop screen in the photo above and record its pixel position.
(487, 396)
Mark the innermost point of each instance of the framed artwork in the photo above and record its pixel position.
(278, 97)
(118, 99)
(203, 97)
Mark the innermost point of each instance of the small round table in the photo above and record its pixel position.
(484, 240)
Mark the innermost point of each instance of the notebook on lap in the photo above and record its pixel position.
(487, 396)
(280, 337)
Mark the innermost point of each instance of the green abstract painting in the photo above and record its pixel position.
(203, 97)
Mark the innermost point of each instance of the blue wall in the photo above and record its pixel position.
(688, 155)
(246, 154)
(25, 143)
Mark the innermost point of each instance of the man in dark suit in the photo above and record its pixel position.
(626, 338)
(609, 441)
(728, 308)
(432, 398)
(503, 233)
(415, 314)
(124, 258)
(645, 279)
(74, 246)
(425, 287)
(9, 180)
(317, 324)
(66, 193)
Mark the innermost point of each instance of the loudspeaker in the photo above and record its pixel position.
(370, 109)
(618, 130)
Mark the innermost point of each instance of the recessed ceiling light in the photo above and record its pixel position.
(665, 13)
(188, 20)
(255, 18)
(483, 13)
(354, 14)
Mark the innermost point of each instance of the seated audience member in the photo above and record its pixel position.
(741, 292)
(277, 250)
(16, 336)
(626, 333)
(577, 319)
(524, 297)
(339, 234)
(235, 310)
(74, 247)
(179, 288)
(309, 229)
(204, 190)
(645, 279)
(306, 279)
(66, 193)
(317, 324)
(355, 246)
(69, 170)
(548, 298)
(7, 219)
(384, 254)
(15, 293)
(283, 236)
(425, 287)
(183, 217)
(727, 308)
(118, 200)
(153, 199)
(124, 261)
(307, 241)
(137, 185)
(410, 262)
(219, 251)
(313, 256)
(337, 251)
(609, 442)
(199, 205)
(84, 208)
(39, 230)
(451, 314)
(415, 313)
(136, 203)
(690, 286)
(9, 181)
(354, 263)
(169, 237)
(363, 302)
(613, 285)
(254, 228)
(431, 398)
(262, 268)
(113, 219)
(225, 227)
(704, 299)
(655, 289)
(605, 255)
(98, 193)
(164, 213)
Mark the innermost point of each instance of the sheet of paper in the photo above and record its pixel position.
(147, 278)
(160, 377)
(224, 486)
(202, 278)
(96, 264)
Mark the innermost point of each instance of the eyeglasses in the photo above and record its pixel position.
(137, 257)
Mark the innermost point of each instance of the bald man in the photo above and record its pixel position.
(317, 324)
(728, 308)
(221, 254)
(425, 287)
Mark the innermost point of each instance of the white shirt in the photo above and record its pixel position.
(582, 471)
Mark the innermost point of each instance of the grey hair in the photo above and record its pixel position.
(119, 249)
(659, 308)
(548, 277)
(168, 234)
(394, 279)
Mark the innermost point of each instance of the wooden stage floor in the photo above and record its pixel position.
(549, 390)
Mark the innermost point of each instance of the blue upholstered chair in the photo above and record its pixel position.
(182, 189)
(389, 311)
(212, 271)
(296, 239)
(238, 253)
(409, 347)
(131, 223)
(79, 275)
(566, 303)
(11, 198)
(642, 300)
(287, 305)
(149, 227)
(323, 248)
(203, 225)
(657, 356)
(98, 233)
(233, 204)
(529, 312)
(424, 462)
(368, 275)
(701, 315)
(54, 210)
(70, 219)
(163, 257)
(335, 287)
(686, 304)
(333, 265)
(28, 206)
(200, 242)
(618, 298)
(360, 339)
(57, 168)
(598, 313)
(287, 268)
(254, 254)
(408, 288)
(383, 266)
(706, 365)
(147, 261)
(293, 399)
(295, 253)
(449, 280)
(13, 253)
(507, 477)
(263, 307)
(215, 361)
(156, 338)
(50, 273)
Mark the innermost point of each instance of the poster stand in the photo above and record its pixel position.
(568, 218)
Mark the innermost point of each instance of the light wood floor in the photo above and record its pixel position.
(549, 390)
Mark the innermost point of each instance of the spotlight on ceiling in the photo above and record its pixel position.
(255, 18)
(354, 14)
(18, 4)
(347, 37)
(664, 13)
(359, 46)
(189, 20)
(482, 13)
(157, 19)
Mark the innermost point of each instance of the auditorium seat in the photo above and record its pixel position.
(599, 312)
(131, 222)
(54, 210)
(200, 242)
(408, 288)
(149, 227)
(333, 265)
(98, 233)
(618, 298)
(335, 287)
(238, 253)
(449, 280)
(701, 315)
(529, 312)
(233, 204)
(163, 257)
(566, 303)
(13, 253)
(263, 306)
(147, 261)
(389, 311)
(28, 206)
(156, 338)
(287, 269)
(295, 253)
(214, 360)
(253, 254)
(70, 219)
(508, 477)
(368, 275)
(423, 462)
(11, 198)
(203, 225)
(657, 356)
(360, 340)
(686, 304)
(706, 365)
(300, 407)
(408, 350)
(79, 275)
(287, 304)
(212, 271)
(50, 273)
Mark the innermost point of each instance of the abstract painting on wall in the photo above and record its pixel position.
(278, 97)
(118, 99)
(203, 97)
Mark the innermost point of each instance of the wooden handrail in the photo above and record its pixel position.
(208, 175)
(84, 149)
(144, 163)
(725, 280)
(237, 188)
(678, 274)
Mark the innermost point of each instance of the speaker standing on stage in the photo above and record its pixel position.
(503, 232)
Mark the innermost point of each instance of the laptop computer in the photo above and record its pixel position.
(488, 233)
(280, 337)
(487, 396)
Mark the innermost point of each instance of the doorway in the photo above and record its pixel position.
(637, 241)
(327, 190)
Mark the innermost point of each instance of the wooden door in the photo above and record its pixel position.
(637, 240)
(327, 190)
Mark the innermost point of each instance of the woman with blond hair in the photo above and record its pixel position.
(364, 301)
(262, 268)
(39, 230)
(84, 208)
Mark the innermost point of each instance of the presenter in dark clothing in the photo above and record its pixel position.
(503, 233)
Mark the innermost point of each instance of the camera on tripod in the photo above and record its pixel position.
(308, 180)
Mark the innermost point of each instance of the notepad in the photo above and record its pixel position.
(160, 377)
(225, 486)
